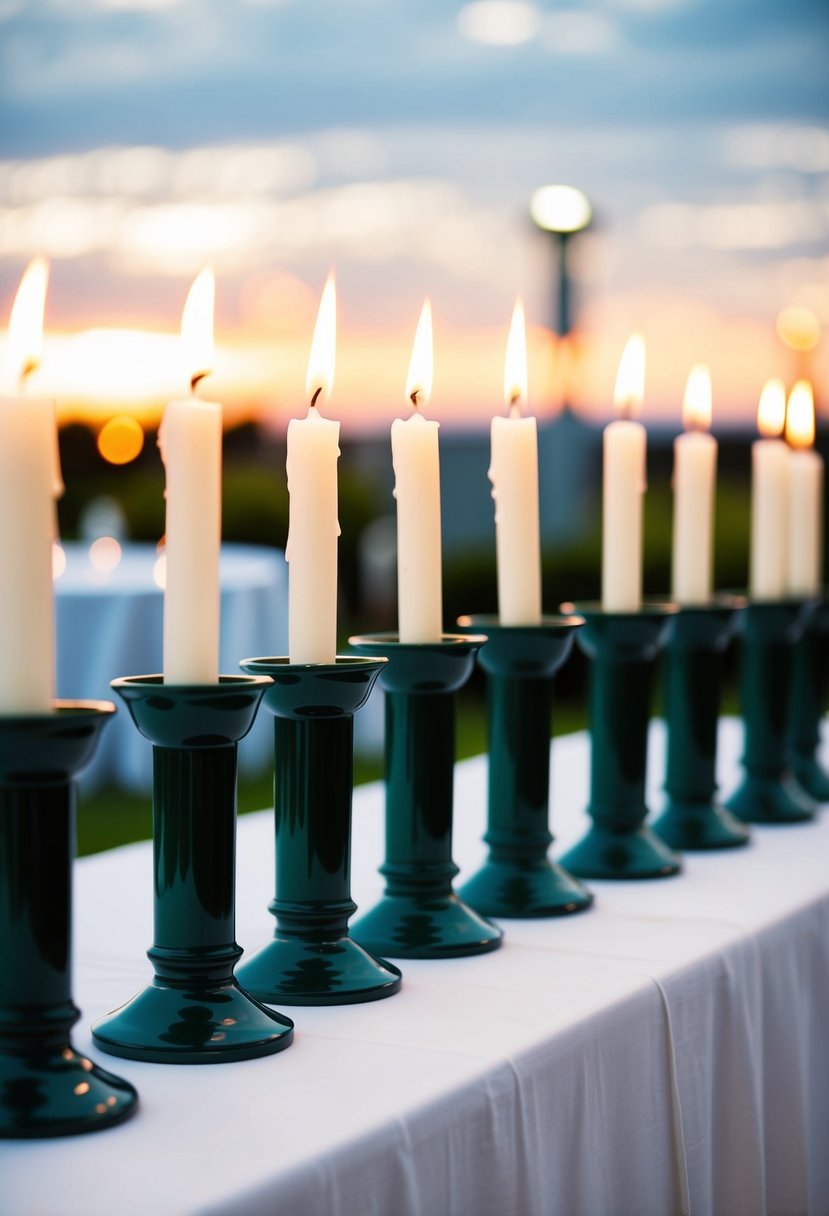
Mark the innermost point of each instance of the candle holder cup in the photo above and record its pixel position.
(47, 1088)
(769, 792)
(697, 641)
(810, 660)
(420, 915)
(623, 647)
(194, 1011)
(518, 879)
(312, 960)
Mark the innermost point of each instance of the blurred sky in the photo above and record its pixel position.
(399, 143)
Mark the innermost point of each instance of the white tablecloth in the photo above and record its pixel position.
(666, 1052)
(110, 625)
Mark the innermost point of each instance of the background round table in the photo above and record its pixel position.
(109, 624)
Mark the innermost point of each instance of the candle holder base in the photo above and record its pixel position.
(769, 793)
(46, 1087)
(194, 1011)
(622, 647)
(693, 818)
(312, 960)
(810, 661)
(420, 915)
(518, 879)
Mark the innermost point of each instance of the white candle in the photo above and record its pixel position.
(624, 483)
(29, 484)
(190, 439)
(695, 473)
(416, 460)
(513, 472)
(769, 498)
(313, 528)
(805, 549)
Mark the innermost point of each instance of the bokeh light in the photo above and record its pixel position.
(121, 439)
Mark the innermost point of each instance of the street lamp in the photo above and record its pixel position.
(562, 211)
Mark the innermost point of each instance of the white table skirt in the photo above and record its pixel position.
(666, 1052)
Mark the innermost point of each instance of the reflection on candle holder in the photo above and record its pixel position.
(769, 792)
(194, 1011)
(420, 916)
(312, 960)
(697, 641)
(518, 878)
(623, 647)
(46, 1087)
(810, 661)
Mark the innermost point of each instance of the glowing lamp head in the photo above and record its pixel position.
(771, 412)
(696, 405)
(515, 363)
(320, 378)
(197, 326)
(421, 365)
(562, 209)
(25, 337)
(630, 378)
(800, 416)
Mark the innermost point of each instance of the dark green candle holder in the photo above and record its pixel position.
(769, 792)
(194, 1011)
(518, 879)
(47, 1088)
(809, 696)
(420, 916)
(312, 960)
(623, 647)
(697, 641)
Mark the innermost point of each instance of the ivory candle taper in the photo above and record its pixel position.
(805, 549)
(513, 472)
(624, 483)
(695, 473)
(30, 482)
(416, 460)
(190, 439)
(769, 498)
(313, 527)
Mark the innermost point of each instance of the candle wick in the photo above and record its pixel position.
(514, 408)
(196, 379)
(413, 398)
(31, 365)
(317, 392)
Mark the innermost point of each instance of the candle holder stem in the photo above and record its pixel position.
(810, 661)
(47, 1088)
(420, 916)
(518, 878)
(697, 641)
(312, 960)
(769, 792)
(194, 1011)
(623, 648)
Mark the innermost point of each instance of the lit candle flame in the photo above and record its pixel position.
(771, 412)
(320, 378)
(421, 366)
(25, 335)
(630, 378)
(696, 405)
(800, 416)
(197, 326)
(515, 363)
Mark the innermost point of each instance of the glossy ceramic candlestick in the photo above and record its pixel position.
(420, 916)
(46, 1087)
(312, 960)
(518, 878)
(697, 641)
(623, 647)
(810, 660)
(769, 792)
(194, 1011)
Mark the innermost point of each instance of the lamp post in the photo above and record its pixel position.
(562, 211)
